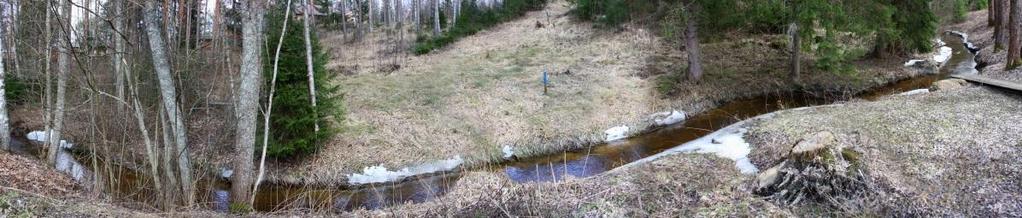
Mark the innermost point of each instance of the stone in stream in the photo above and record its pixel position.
(949, 84)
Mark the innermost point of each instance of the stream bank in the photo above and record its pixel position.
(569, 164)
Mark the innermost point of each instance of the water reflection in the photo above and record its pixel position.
(579, 168)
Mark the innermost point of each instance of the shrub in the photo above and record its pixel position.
(293, 119)
(14, 89)
(609, 12)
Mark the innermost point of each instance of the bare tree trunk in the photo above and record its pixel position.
(309, 68)
(344, 18)
(14, 40)
(248, 99)
(796, 45)
(48, 110)
(418, 17)
(269, 99)
(695, 65)
(169, 94)
(385, 12)
(168, 155)
(398, 15)
(996, 14)
(1015, 23)
(990, 13)
(151, 153)
(371, 15)
(436, 17)
(64, 63)
(1001, 31)
(5, 128)
(119, 63)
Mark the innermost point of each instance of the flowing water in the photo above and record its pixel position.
(579, 163)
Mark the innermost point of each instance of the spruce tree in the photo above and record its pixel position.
(292, 123)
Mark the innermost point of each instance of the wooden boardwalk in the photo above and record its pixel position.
(991, 81)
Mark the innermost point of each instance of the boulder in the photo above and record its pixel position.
(949, 84)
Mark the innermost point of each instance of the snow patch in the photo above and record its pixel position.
(669, 118)
(226, 173)
(940, 42)
(728, 142)
(915, 92)
(943, 54)
(508, 153)
(616, 133)
(912, 62)
(41, 136)
(380, 174)
(68, 165)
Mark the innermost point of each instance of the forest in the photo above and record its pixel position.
(510, 108)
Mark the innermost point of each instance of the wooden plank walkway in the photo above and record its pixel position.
(991, 81)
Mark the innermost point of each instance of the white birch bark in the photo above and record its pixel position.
(436, 17)
(308, 66)
(5, 128)
(269, 99)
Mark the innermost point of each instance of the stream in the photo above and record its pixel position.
(578, 163)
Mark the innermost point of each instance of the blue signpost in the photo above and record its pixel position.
(546, 81)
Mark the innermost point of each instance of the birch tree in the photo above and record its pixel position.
(119, 63)
(168, 95)
(436, 17)
(5, 129)
(48, 47)
(64, 65)
(247, 106)
(269, 99)
(308, 59)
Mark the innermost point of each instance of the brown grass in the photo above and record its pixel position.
(484, 92)
(662, 188)
(948, 153)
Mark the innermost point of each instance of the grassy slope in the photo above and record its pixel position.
(950, 153)
(483, 92)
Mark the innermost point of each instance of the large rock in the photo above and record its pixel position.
(949, 84)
